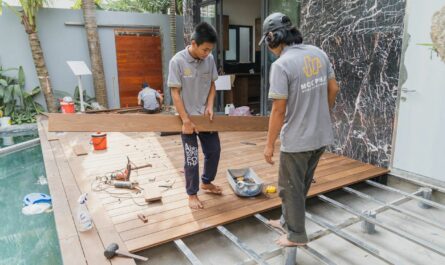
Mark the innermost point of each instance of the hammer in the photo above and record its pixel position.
(113, 250)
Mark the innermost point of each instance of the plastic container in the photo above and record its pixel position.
(99, 141)
(84, 221)
(229, 108)
(67, 107)
(250, 186)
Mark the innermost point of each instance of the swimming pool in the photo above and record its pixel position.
(25, 239)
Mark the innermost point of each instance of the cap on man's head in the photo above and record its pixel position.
(144, 85)
(274, 22)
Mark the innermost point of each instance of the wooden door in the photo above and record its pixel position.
(139, 59)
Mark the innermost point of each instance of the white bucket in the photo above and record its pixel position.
(5, 121)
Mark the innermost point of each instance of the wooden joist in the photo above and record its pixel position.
(150, 123)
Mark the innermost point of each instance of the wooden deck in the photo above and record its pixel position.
(115, 215)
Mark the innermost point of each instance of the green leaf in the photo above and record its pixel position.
(8, 69)
(76, 93)
(26, 95)
(17, 91)
(3, 82)
(35, 91)
(9, 109)
(426, 44)
(21, 77)
(8, 94)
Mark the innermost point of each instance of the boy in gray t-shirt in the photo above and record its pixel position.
(191, 77)
(303, 90)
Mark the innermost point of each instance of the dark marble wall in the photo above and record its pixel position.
(363, 38)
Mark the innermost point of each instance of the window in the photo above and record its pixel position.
(240, 44)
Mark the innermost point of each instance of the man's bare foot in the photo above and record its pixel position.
(284, 242)
(276, 224)
(194, 202)
(211, 188)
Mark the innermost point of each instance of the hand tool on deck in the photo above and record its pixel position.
(125, 184)
(113, 250)
(123, 175)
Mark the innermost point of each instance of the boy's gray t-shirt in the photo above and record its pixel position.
(301, 75)
(149, 96)
(194, 77)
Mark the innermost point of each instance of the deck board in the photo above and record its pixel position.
(172, 218)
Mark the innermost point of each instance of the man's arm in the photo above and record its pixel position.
(160, 100)
(332, 92)
(187, 125)
(276, 121)
(210, 100)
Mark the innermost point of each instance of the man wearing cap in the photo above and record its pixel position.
(191, 77)
(150, 99)
(303, 89)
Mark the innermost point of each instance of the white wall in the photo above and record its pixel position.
(243, 13)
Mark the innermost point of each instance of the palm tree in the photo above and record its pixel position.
(28, 17)
(89, 16)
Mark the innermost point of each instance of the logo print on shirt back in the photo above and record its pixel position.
(312, 66)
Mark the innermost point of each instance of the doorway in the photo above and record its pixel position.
(239, 25)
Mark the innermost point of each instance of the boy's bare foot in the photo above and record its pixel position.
(276, 224)
(211, 188)
(194, 202)
(284, 242)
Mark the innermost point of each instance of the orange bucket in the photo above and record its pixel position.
(67, 107)
(99, 141)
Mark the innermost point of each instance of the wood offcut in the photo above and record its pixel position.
(151, 123)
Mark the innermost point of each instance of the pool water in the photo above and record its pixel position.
(25, 239)
(15, 138)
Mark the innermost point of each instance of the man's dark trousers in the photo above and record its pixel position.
(211, 148)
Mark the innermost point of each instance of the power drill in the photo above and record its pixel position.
(122, 175)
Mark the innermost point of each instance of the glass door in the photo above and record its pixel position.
(291, 8)
(210, 11)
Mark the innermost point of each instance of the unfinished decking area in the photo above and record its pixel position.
(115, 211)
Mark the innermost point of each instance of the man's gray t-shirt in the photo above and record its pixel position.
(149, 96)
(194, 77)
(301, 75)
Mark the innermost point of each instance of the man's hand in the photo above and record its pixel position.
(188, 127)
(268, 154)
(209, 112)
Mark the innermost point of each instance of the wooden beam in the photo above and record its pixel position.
(150, 123)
